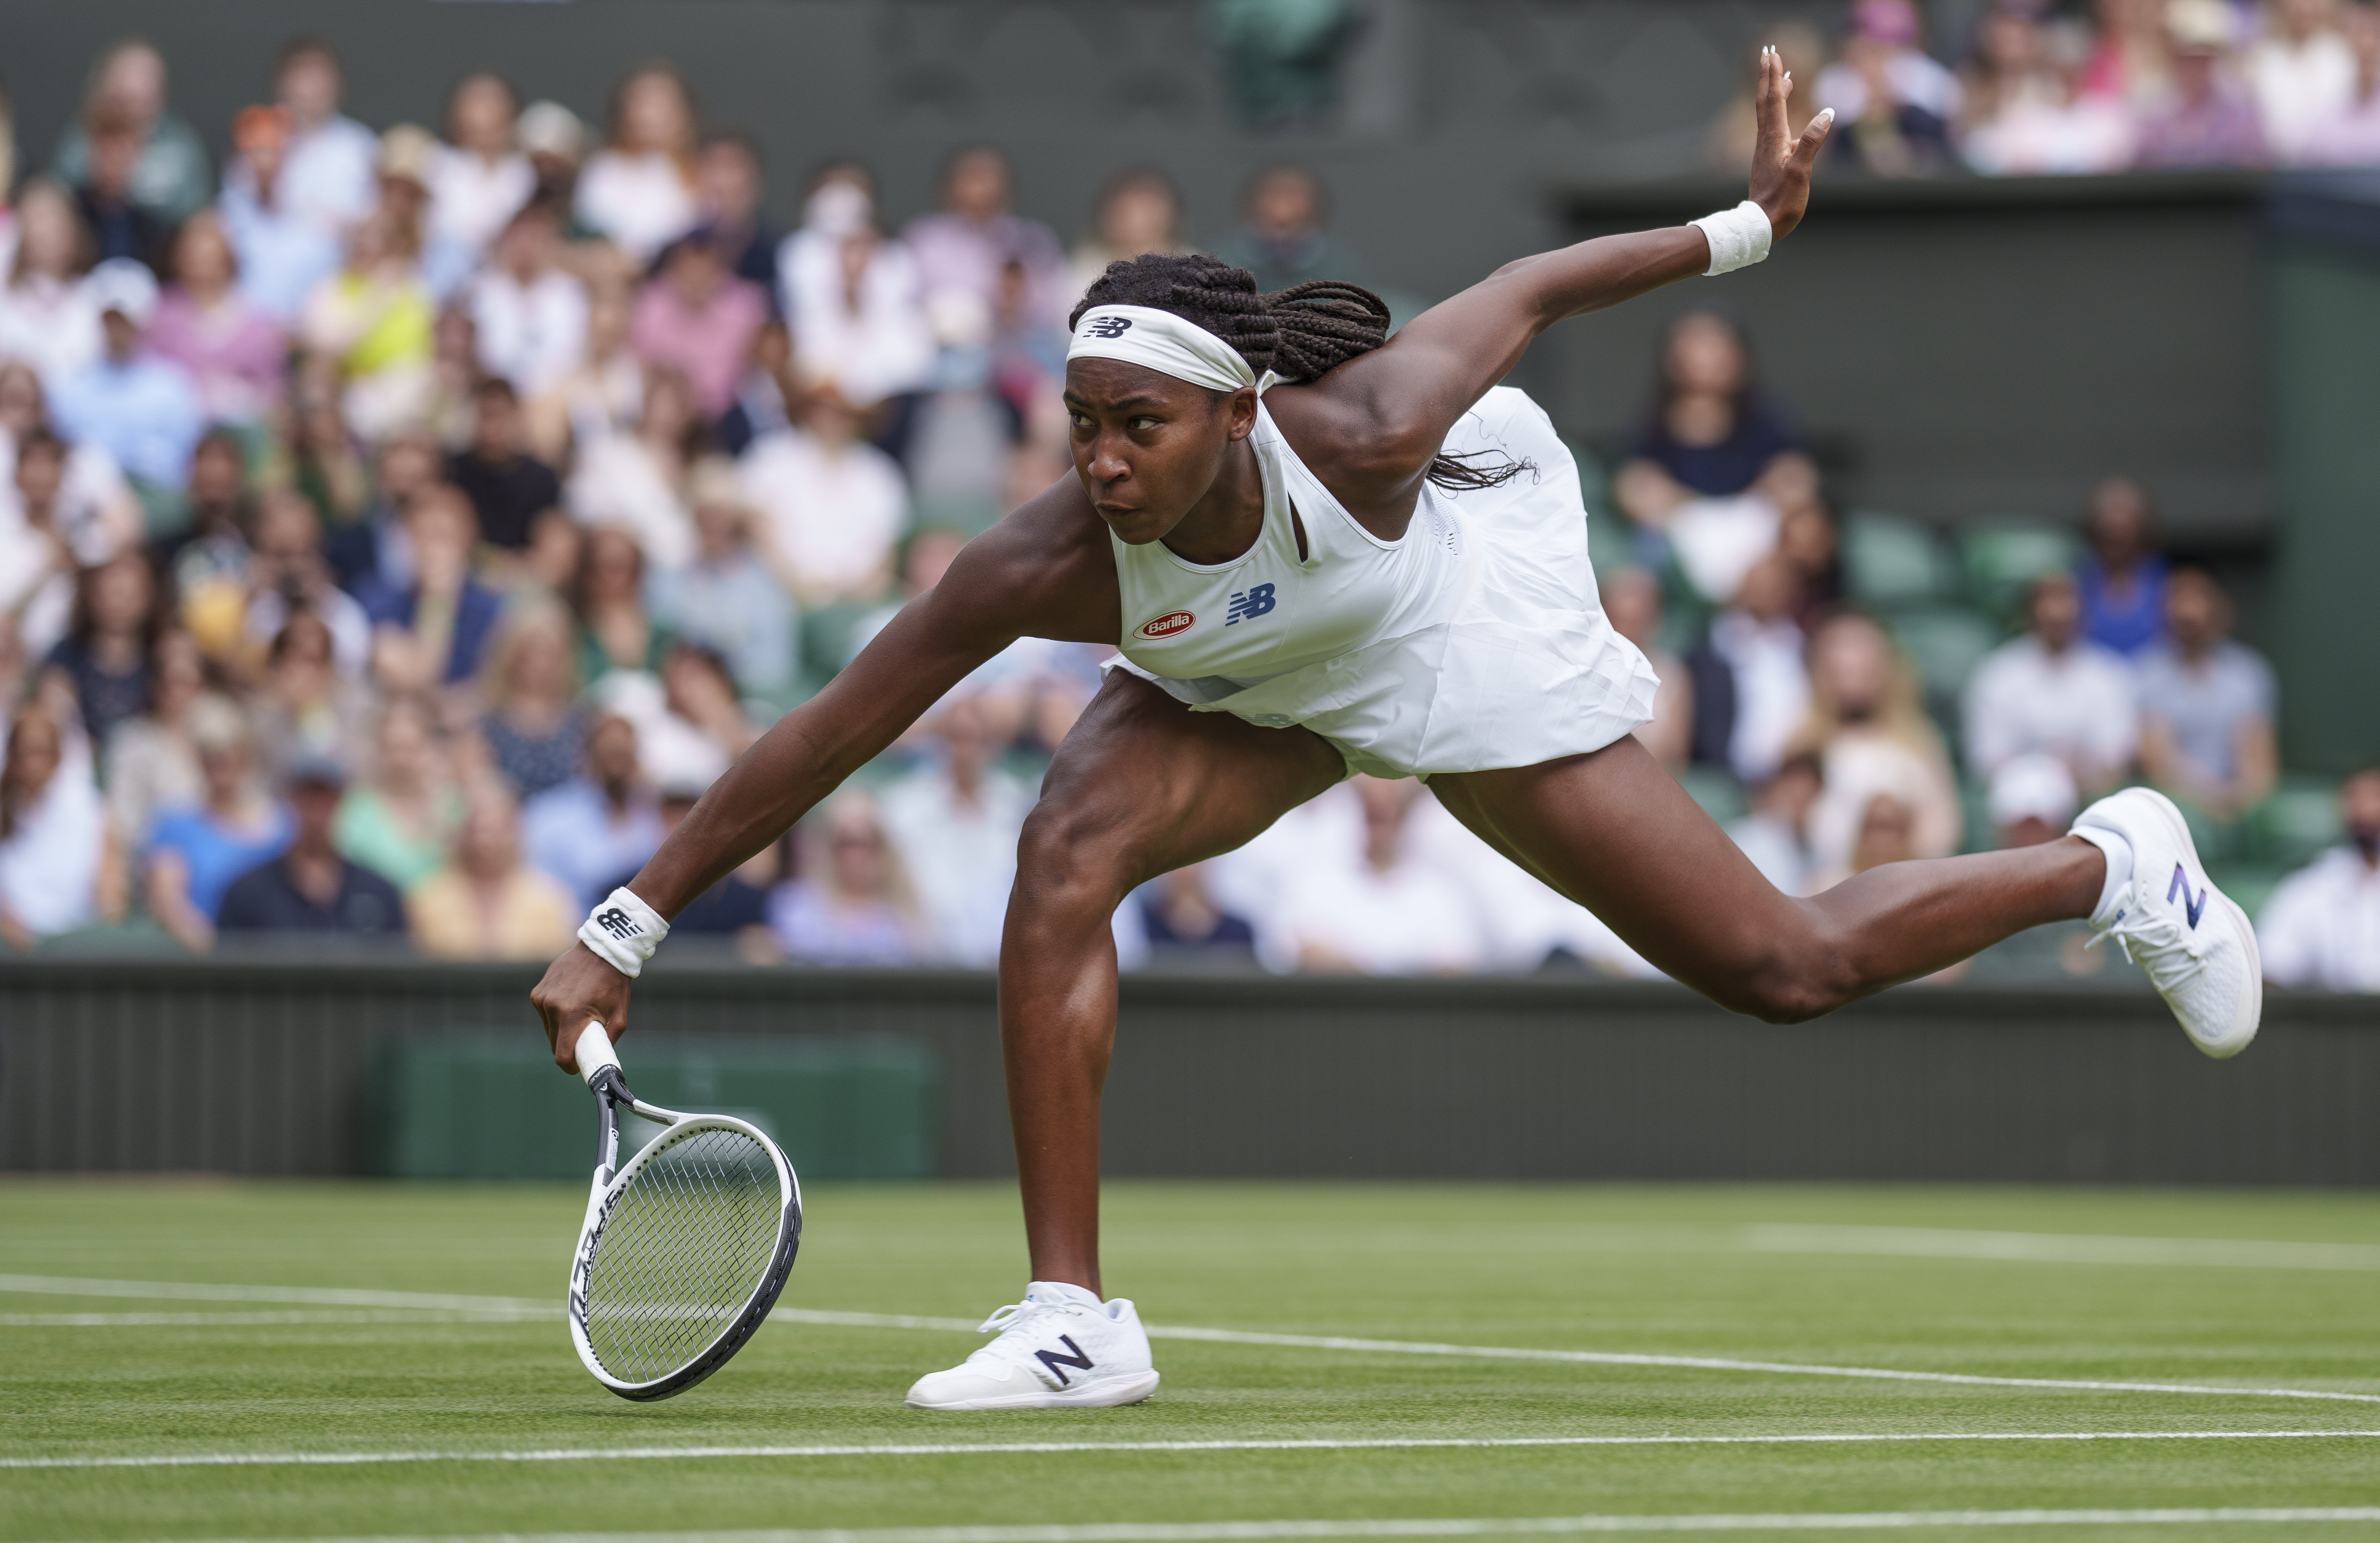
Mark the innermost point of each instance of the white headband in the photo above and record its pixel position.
(1162, 341)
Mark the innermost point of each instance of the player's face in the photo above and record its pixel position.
(1148, 446)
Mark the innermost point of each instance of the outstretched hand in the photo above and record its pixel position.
(1782, 162)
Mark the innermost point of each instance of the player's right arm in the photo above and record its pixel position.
(1045, 571)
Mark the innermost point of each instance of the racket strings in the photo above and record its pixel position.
(685, 1245)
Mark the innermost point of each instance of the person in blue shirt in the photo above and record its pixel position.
(196, 851)
(2122, 581)
(282, 255)
(443, 615)
(601, 823)
(137, 406)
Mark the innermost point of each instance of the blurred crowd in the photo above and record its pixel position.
(399, 530)
(2053, 87)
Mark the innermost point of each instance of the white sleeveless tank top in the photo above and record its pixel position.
(1222, 627)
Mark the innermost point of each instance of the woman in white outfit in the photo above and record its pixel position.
(1380, 566)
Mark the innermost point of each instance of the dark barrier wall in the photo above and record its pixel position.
(254, 1069)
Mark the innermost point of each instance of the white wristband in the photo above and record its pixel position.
(623, 931)
(1738, 237)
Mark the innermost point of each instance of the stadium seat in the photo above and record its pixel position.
(2295, 822)
(1945, 643)
(2004, 558)
(1889, 560)
(2249, 884)
(1715, 790)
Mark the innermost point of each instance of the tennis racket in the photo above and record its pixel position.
(686, 1246)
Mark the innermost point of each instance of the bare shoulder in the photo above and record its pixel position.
(1045, 571)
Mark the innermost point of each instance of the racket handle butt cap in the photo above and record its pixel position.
(595, 1052)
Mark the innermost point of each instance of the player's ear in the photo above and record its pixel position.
(1241, 412)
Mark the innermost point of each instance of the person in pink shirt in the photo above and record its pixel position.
(696, 317)
(236, 353)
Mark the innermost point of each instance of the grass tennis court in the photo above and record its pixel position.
(153, 1320)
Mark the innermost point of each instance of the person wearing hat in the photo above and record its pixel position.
(139, 405)
(310, 887)
(2209, 120)
(407, 160)
(282, 255)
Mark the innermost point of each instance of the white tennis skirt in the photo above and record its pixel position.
(1524, 669)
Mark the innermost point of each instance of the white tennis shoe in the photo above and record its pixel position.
(2196, 946)
(1060, 1348)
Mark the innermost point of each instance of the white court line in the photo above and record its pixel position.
(1943, 1242)
(1485, 1526)
(971, 1448)
(529, 1308)
(235, 1320)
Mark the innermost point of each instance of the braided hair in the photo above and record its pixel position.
(1299, 332)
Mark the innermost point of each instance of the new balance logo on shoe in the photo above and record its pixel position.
(1052, 1359)
(1249, 603)
(2180, 887)
(618, 923)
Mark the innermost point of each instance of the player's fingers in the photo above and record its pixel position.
(1814, 138)
(1768, 121)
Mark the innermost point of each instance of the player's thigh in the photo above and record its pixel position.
(1142, 785)
(1614, 832)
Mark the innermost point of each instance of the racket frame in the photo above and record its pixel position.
(601, 1068)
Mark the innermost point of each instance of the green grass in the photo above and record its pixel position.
(1668, 1270)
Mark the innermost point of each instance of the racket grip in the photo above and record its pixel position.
(595, 1052)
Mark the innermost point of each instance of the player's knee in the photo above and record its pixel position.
(1069, 856)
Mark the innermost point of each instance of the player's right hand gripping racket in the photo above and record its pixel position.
(686, 1246)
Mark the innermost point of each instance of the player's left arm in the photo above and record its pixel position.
(1411, 392)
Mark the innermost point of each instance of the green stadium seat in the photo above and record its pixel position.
(827, 638)
(1944, 642)
(2295, 822)
(2004, 558)
(2249, 884)
(1889, 560)
(1715, 790)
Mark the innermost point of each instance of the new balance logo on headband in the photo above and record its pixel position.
(618, 923)
(1109, 326)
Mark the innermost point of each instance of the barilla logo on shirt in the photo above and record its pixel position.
(1167, 625)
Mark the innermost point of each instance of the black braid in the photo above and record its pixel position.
(1299, 332)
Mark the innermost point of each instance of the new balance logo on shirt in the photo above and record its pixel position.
(1052, 1360)
(618, 923)
(1247, 604)
(2180, 888)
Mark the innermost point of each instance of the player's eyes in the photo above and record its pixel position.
(1142, 422)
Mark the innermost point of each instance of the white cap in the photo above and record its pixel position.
(2037, 785)
(121, 285)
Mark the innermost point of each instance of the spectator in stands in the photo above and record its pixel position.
(109, 643)
(1182, 917)
(2351, 137)
(430, 630)
(2028, 111)
(398, 820)
(726, 599)
(1137, 211)
(737, 907)
(638, 192)
(2209, 120)
(195, 852)
(698, 318)
(141, 406)
(373, 320)
(47, 317)
(637, 483)
(690, 716)
(286, 574)
(532, 725)
(1806, 538)
(93, 510)
(2122, 583)
(2132, 65)
(120, 227)
(234, 352)
(962, 247)
(729, 184)
(170, 171)
(2033, 798)
(2053, 691)
(2206, 704)
(205, 564)
(485, 903)
(2321, 929)
(615, 630)
(1632, 599)
(327, 171)
(1378, 910)
(1283, 238)
(851, 903)
(305, 708)
(38, 583)
(599, 397)
(2302, 74)
(508, 488)
(765, 397)
(855, 300)
(1776, 835)
(312, 888)
(554, 140)
(373, 547)
(54, 840)
(529, 316)
(151, 759)
(955, 823)
(477, 179)
(833, 506)
(283, 254)
(1869, 728)
(1751, 688)
(1895, 103)
(600, 822)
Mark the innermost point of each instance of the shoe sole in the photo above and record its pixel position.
(2234, 1040)
(1111, 1395)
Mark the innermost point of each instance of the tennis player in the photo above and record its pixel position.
(1323, 551)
